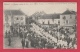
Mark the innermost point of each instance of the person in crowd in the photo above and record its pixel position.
(23, 42)
(73, 42)
(6, 34)
(27, 43)
(68, 41)
(9, 40)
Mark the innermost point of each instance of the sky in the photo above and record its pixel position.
(30, 8)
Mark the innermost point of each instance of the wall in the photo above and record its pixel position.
(6, 22)
(20, 20)
(71, 18)
(51, 21)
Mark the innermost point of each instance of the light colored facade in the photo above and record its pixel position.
(19, 19)
(12, 17)
(6, 22)
(68, 18)
(45, 21)
(65, 19)
(69, 21)
(49, 19)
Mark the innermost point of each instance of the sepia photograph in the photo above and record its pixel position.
(40, 25)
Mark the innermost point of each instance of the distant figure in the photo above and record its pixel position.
(23, 42)
(27, 42)
(68, 41)
(6, 34)
(9, 40)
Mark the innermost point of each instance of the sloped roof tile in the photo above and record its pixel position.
(13, 12)
(50, 16)
(69, 12)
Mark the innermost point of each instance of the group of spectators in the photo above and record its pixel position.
(66, 38)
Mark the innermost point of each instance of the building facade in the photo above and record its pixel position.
(68, 18)
(13, 18)
(49, 19)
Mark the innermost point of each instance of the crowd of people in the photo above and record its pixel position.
(66, 38)
(39, 37)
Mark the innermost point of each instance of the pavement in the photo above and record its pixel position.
(15, 43)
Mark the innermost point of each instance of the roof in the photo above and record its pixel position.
(13, 12)
(69, 12)
(50, 16)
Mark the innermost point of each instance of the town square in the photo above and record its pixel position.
(48, 26)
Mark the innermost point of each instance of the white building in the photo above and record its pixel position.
(49, 19)
(68, 18)
(13, 17)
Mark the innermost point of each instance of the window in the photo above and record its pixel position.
(66, 21)
(48, 22)
(70, 17)
(64, 17)
(59, 22)
(43, 22)
(21, 18)
(17, 18)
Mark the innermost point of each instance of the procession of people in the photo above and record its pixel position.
(37, 37)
